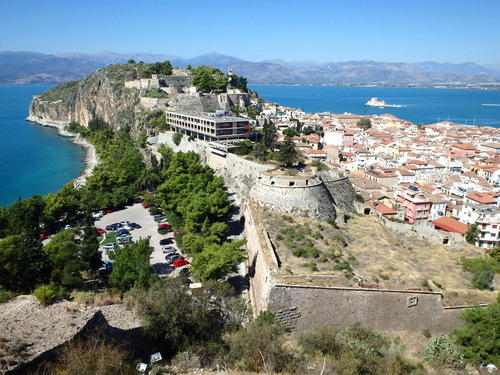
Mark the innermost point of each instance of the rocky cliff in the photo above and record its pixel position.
(102, 93)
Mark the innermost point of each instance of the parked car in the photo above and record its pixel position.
(124, 235)
(121, 231)
(145, 205)
(100, 231)
(168, 249)
(180, 262)
(124, 222)
(114, 226)
(134, 226)
(166, 241)
(164, 225)
(174, 256)
(43, 236)
(124, 238)
(98, 214)
(109, 246)
(108, 211)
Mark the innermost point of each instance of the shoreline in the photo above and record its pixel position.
(91, 160)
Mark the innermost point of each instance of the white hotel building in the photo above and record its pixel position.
(208, 126)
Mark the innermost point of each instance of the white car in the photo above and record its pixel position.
(109, 246)
(168, 249)
(98, 215)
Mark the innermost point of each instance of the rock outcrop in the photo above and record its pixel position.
(31, 333)
(99, 94)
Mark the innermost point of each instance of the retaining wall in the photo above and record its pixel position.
(302, 307)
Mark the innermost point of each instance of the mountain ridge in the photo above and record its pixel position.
(24, 67)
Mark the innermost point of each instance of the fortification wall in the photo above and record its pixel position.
(297, 195)
(301, 307)
(304, 196)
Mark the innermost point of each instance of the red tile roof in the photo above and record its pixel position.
(451, 225)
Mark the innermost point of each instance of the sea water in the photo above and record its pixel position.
(424, 106)
(34, 159)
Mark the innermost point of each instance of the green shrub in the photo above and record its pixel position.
(425, 284)
(426, 333)
(85, 298)
(311, 265)
(442, 352)
(475, 264)
(437, 284)
(483, 279)
(383, 276)
(45, 294)
(343, 266)
(317, 236)
(176, 138)
(287, 218)
(6, 295)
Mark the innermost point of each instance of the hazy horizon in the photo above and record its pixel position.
(448, 31)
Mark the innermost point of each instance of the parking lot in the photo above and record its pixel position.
(140, 215)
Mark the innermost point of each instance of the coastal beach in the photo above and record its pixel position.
(91, 159)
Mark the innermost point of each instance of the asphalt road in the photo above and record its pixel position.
(149, 228)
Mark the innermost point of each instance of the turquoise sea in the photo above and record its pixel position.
(34, 159)
(425, 106)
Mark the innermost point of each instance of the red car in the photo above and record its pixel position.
(164, 225)
(180, 262)
(108, 211)
(100, 231)
(145, 205)
(43, 236)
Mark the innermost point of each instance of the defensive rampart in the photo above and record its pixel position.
(302, 307)
(301, 195)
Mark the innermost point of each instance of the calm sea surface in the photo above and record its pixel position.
(425, 106)
(34, 159)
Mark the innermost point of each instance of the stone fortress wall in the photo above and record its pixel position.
(301, 195)
(302, 307)
(160, 81)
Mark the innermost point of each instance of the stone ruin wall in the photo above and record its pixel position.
(427, 233)
(158, 80)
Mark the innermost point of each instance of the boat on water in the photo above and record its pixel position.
(375, 102)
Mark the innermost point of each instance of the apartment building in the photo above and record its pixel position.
(208, 126)
(415, 205)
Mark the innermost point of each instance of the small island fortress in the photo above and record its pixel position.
(375, 102)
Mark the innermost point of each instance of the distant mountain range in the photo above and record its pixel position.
(39, 68)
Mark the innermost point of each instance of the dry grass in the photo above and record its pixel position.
(98, 299)
(378, 256)
(107, 298)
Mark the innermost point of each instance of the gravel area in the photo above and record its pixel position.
(140, 215)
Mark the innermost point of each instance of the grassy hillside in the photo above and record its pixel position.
(366, 253)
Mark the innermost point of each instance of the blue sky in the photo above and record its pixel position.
(452, 31)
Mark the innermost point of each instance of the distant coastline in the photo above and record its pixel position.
(91, 159)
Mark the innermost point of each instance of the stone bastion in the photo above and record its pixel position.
(319, 196)
(302, 195)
